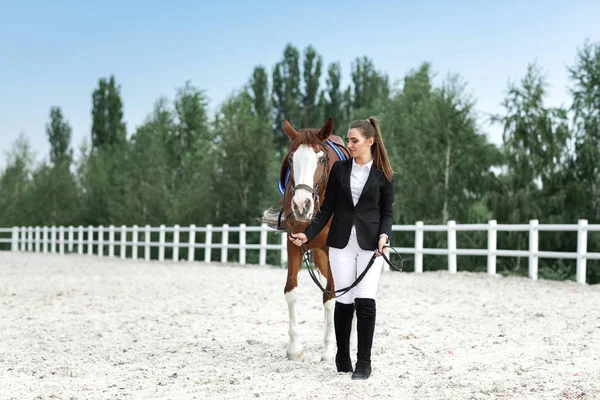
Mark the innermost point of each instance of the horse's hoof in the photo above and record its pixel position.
(327, 357)
(295, 356)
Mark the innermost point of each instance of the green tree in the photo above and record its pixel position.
(259, 91)
(287, 95)
(54, 196)
(535, 139)
(585, 170)
(150, 193)
(313, 63)
(243, 158)
(333, 106)
(535, 145)
(14, 184)
(369, 86)
(191, 124)
(108, 127)
(582, 180)
(58, 131)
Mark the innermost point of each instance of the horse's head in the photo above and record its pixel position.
(308, 163)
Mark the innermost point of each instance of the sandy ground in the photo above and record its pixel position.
(78, 327)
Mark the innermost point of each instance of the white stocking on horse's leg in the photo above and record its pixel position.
(294, 350)
(329, 339)
(321, 259)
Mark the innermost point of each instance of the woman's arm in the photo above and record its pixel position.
(320, 220)
(386, 211)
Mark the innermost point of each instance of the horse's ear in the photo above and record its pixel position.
(289, 130)
(326, 130)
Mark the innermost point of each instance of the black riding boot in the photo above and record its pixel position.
(342, 321)
(366, 311)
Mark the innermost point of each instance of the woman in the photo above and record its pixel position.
(359, 195)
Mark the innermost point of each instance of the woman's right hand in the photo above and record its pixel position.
(298, 239)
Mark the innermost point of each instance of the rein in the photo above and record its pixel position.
(336, 293)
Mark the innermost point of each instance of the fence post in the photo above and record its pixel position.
(192, 243)
(533, 248)
(30, 238)
(176, 243)
(80, 240)
(53, 239)
(15, 238)
(224, 242)
(284, 257)
(90, 249)
(61, 240)
(45, 239)
(134, 240)
(492, 240)
(71, 238)
(100, 240)
(147, 246)
(452, 247)
(123, 248)
(38, 240)
(581, 250)
(111, 241)
(161, 243)
(23, 240)
(242, 244)
(419, 247)
(208, 243)
(19, 235)
(262, 257)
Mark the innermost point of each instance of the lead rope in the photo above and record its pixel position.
(336, 293)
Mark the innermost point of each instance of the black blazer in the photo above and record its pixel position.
(372, 214)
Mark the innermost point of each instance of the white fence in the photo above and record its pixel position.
(44, 239)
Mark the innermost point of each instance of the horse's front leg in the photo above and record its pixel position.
(322, 261)
(294, 349)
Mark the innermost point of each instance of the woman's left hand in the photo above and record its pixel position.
(382, 242)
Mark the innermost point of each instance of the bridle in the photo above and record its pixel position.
(313, 191)
(315, 194)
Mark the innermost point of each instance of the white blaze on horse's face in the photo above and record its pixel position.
(305, 163)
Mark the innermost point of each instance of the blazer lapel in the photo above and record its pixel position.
(374, 175)
(346, 172)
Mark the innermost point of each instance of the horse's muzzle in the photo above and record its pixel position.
(303, 213)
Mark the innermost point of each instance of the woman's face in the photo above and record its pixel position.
(358, 145)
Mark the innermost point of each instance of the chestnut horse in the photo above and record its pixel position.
(303, 178)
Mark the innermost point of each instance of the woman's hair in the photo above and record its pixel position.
(369, 128)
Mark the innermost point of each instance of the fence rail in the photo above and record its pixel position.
(84, 239)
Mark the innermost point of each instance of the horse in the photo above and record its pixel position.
(304, 174)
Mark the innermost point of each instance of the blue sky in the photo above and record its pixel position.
(54, 52)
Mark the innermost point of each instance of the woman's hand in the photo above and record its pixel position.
(298, 239)
(383, 240)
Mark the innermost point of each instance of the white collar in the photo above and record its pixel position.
(368, 165)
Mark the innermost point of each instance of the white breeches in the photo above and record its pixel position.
(348, 263)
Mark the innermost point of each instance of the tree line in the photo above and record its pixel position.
(184, 166)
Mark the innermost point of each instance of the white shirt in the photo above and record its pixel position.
(358, 178)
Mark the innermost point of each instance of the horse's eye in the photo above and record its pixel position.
(322, 160)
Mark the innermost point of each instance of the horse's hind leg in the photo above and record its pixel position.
(294, 349)
(321, 260)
